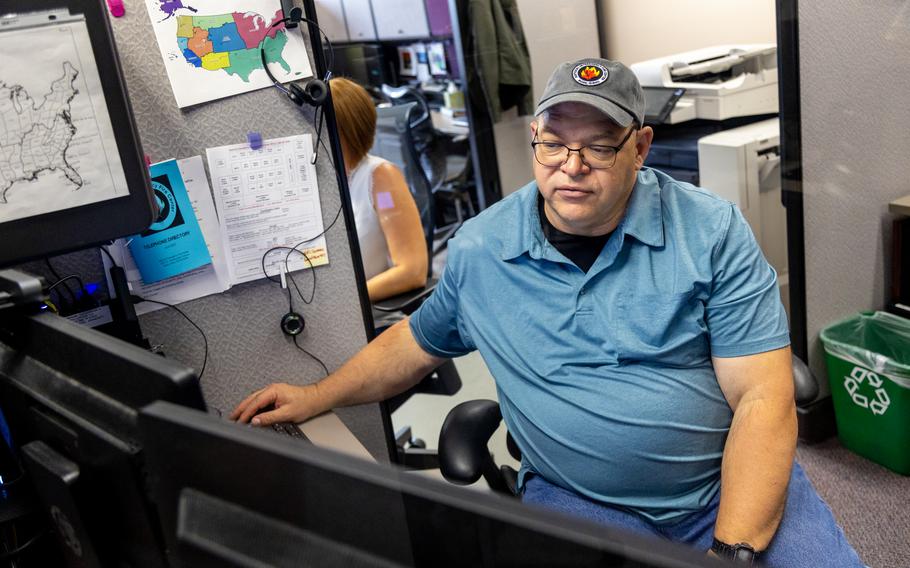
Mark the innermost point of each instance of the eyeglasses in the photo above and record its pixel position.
(595, 156)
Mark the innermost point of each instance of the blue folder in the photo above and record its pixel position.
(173, 244)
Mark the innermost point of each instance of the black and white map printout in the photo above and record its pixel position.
(57, 147)
(268, 198)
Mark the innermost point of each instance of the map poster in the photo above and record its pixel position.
(57, 147)
(174, 242)
(211, 49)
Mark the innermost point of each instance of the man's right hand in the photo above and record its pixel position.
(290, 404)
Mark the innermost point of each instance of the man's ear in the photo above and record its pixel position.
(643, 145)
(534, 127)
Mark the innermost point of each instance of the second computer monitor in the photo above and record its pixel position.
(363, 63)
(231, 496)
(70, 396)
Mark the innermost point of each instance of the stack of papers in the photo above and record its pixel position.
(211, 278)
(264, 198)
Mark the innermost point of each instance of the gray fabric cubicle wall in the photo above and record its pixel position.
(854, 80)
(247, 350)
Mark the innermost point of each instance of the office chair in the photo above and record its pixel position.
(420, 120)
(427, 144)
(395, 142)
(464, 457)
(446, 163)
(456, 191)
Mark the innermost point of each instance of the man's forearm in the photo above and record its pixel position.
(390, 364)
(757, 461)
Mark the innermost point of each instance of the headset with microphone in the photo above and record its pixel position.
(315, 91)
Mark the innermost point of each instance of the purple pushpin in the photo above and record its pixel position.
(255, 140)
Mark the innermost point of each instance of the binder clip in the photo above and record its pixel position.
(255, 140)
(116, 8)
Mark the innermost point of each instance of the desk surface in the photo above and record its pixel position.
(328, 431)
(444, 124)
(900, 206)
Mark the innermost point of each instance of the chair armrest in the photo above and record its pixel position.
(463, 453)
(408, 301)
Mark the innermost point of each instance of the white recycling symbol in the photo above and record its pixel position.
(879, 403)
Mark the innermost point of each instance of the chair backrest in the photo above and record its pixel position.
(395, 142)
(430, 147)
(405, 95)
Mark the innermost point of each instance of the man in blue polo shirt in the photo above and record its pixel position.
(636, 336)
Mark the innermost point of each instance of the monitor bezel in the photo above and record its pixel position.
(189, 450)
(78, 392)
(81, 227)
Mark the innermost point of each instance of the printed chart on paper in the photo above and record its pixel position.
(268, 198)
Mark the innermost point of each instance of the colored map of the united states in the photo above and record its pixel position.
(230, 42)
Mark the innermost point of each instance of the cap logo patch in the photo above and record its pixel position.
(590, 74)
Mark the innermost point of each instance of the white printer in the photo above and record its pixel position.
(710, 109)
(742, 165)
(720, 82)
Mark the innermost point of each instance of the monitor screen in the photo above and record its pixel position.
(69, 396)
(229, 495)
(659, 103)
(363, 63)
(72, 173)
(436, 54)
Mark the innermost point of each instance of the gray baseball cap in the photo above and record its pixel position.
(608, 86)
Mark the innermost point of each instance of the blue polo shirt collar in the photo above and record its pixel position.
(643, 219)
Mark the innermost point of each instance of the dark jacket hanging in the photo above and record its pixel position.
(501, 57)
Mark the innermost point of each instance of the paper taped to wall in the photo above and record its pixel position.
(268, 198)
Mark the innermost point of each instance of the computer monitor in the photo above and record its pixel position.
(363, 63)
(230, 496)
(70, 397)
(659, 103)
(72, 174)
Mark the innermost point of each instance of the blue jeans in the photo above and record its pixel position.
(808, 535)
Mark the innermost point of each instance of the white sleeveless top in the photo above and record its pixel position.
(373, 247)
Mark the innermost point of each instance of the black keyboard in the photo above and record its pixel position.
(289, 429)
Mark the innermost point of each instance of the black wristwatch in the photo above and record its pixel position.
(741, 553)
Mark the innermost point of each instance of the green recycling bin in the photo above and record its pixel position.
(868, 359)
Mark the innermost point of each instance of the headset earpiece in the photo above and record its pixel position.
(316, 91)
(297, 95)
(292, 324)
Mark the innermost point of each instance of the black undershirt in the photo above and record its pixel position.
(582, 251)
